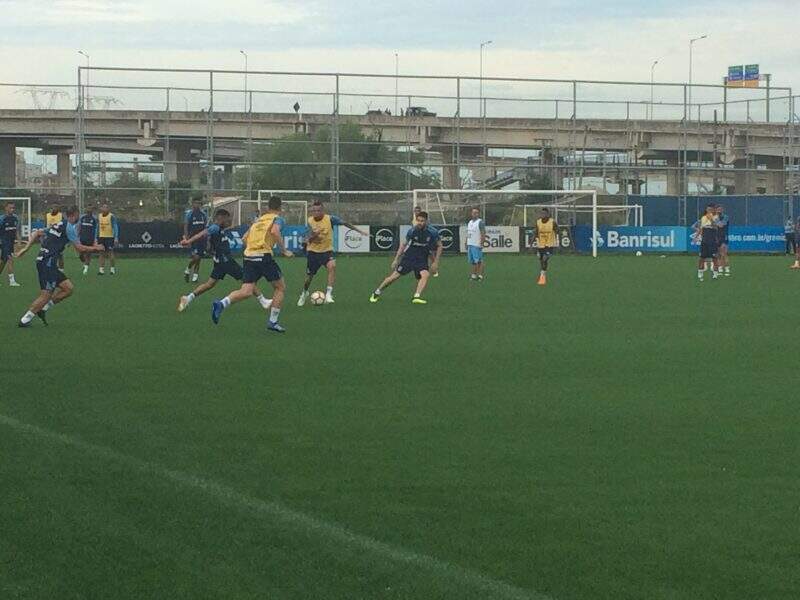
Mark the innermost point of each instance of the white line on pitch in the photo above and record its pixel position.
(332, 531)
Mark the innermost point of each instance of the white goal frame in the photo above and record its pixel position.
(592, 193)
(638, 210)
(26, 201)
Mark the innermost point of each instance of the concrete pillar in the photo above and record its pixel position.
(675, 174)
(451, 178)
(742, 178)
(227, 182)
(181, 165)
(8, 165)
(64, 173)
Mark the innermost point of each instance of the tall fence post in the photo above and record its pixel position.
(165, 156)
(725, 104)
(574, 99)
(79, 145)
(210, 140)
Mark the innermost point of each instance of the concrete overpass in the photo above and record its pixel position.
(182, 138)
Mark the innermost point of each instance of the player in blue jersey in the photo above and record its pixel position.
(195, 221)
(87, 235)
(9, 226)
(54, 285)
(723, 223)
(422, 242)
(224, 263)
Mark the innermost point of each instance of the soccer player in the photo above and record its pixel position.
(107, 237)
(421, 241)
(417, 210)
(194, 222)
(51, 218)
(9, 226)
(796, 264)
(87, 234)
(723, 222)
(54, 285)
(706, 230)
(319, 248)
(546, 241)
(476, 236)
(259, 262)
(224, 264)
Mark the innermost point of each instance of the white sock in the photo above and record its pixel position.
(102, 269)
(542, 273)
(11, 278)
(113, 269)
(261, 299)
(48, 306)
(416, 294)
(377, 292)
(226, 302)
(727, 269)
(329, 290)
(699, 273)
(274, 313)
(186, 271)
(27, 317)
(190, 297)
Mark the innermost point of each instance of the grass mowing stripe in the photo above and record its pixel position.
(279, 512)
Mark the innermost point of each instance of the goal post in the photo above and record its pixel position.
(22, 208)
(508, 207)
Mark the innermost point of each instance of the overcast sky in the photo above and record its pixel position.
(612, 39)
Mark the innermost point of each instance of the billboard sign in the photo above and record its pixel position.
(350, 240)
(736, 74)
(632, 239)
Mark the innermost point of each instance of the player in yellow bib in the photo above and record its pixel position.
(319, 249)
(259, 262)
(108, 237)
(51, 218)
(546, 241)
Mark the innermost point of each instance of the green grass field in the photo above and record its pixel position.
(624, 432)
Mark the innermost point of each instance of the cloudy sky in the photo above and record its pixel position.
(587, 39)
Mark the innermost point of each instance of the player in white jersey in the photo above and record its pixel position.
(476, 235)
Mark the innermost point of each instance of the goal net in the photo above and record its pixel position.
(22, 208)
(522, 207)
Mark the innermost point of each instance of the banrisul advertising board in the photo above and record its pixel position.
(633, 239)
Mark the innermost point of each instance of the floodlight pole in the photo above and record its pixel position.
(396, 81)
(652, 79)
(86, 89)
(243, 53)
(483, 45)
(691, 49)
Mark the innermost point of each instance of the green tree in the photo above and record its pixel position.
(365, 163)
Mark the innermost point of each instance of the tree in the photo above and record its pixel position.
(304, 163)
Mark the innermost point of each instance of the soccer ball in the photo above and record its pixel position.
(317, 298)
(638, 253)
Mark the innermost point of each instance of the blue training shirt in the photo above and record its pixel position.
(8, 228)
(196, 220)
(420, 243)
(219, 242)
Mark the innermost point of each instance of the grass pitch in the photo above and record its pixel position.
(623, 432)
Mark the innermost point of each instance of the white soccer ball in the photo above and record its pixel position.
(317, 298)
(638, 253)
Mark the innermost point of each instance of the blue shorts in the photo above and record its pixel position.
(416, 265)
(198, 249)
(256, 268)
(50, 277)
(474, 255)
(229, 267)
(317, 260)
(6, 250)
(107, 243)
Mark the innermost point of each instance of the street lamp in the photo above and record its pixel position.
(483, 45)
(243, 53)
(691, 47)
(86, 89)
(652, 76)
(396, 80)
